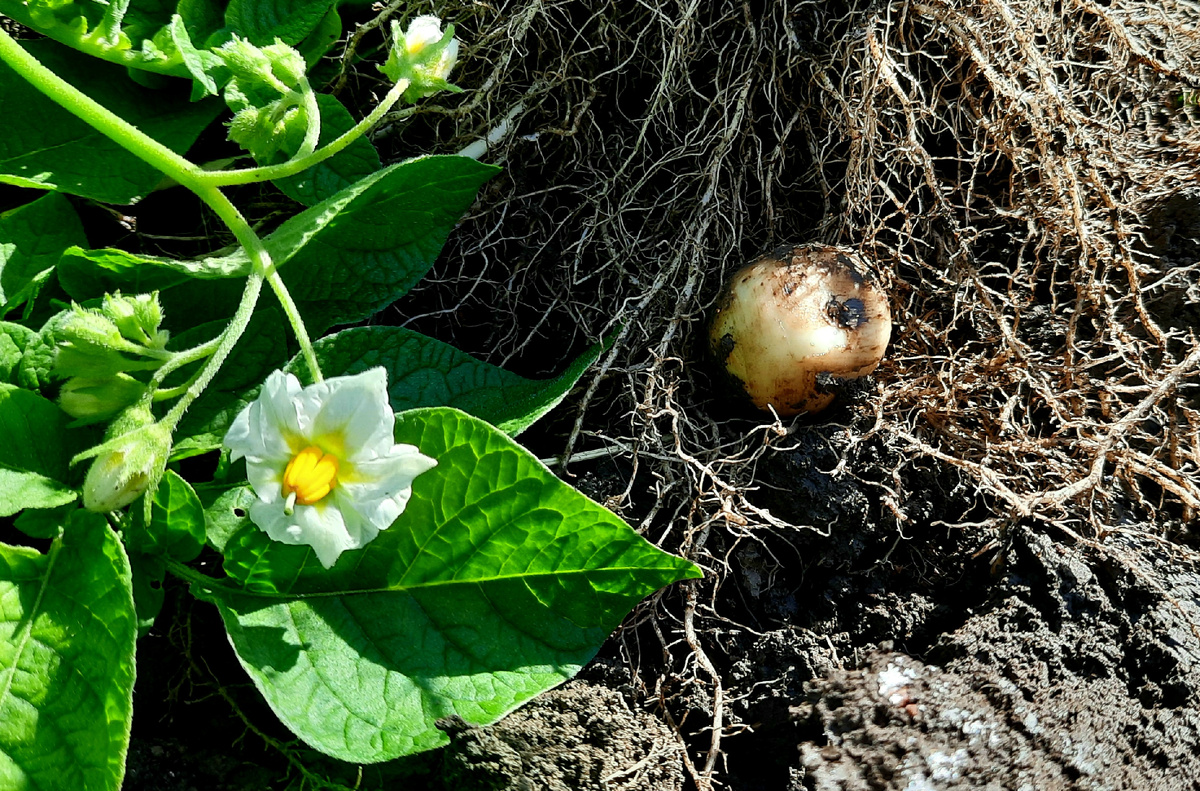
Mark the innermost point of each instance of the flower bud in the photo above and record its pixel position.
(130, 461)
(93, 400)
(266, 95)
(95, 351)
(93, 362)
(270, 68)
(424, 56)
(425, 31)
(86, 328)
(137, 317)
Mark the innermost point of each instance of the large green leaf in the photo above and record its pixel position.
(262, 21)
(31, 239)
(34, 454)
(88, 274)
(498, 582)
(425, 372)
(343, 259)
(383, 241)
(422, 372)
(44, 146)
(67, 631)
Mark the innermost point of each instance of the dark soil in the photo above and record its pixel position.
(867, 662)
(579, 736)
(1079, 671)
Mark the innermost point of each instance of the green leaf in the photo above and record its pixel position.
(263, 22)
(14, 339)
(44, 522)
(132, 35)
(343, 259)
(424, 372)
(149, 571)
(227, 515)
(88, 274)
(386, 236)
(44, 146)
(145, 18)
(498, 582)
(365, 247)
(324, 180)
(200, 63)
(35, 453)
(38, 358)
(176, 522)
(67, 631)
(321, 40)
(202, 18)
(31, 239)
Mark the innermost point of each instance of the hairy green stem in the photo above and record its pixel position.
(297, 322)
(174, 392)
(224, 178)
(171, 392)
(312, 134)
(227, 340)
(183, 358)
(195, 179)
(96, 115)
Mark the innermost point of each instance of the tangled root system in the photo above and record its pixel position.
(1023, 173)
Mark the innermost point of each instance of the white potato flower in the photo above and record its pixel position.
(425, 31)
(323, 462)
(424, 55)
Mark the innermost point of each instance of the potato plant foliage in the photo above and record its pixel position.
(495, 582)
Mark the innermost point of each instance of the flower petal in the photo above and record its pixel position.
(261, 431)
(384, 486)
(320, 527)
(266, 479)
(354, 409)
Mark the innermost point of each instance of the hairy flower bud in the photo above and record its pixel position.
(93, 400)
(87, 328)
(266, 95)
(92, 362)
(130, 461)
(137, 317)
(95, 350)
(424, 56)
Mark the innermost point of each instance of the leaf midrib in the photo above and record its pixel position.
(287, 596)
(55, 547)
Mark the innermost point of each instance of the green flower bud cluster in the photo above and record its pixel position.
(267, 95)
(424, 56)
(99, 350)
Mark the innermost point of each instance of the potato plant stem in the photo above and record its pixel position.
(94, 114)
(183, 358)
(187, 174)
(224, 178)
(297, 322)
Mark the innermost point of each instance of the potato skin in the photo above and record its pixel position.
(795, 318)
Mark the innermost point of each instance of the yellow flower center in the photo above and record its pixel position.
(309, 476)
